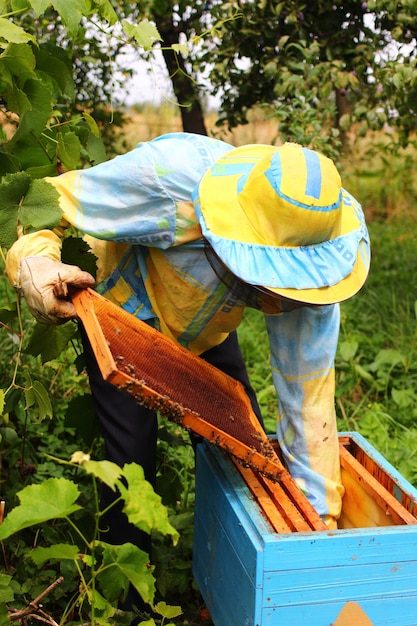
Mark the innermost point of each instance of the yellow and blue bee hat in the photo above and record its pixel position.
(278, 218)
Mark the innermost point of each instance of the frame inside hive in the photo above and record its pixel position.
(164, 376)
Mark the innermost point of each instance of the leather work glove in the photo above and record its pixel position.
(46, 286)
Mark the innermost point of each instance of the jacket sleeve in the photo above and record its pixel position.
(141, 197)
(45, 243)
(303, 345)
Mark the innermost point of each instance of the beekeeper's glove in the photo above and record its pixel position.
(46, 286)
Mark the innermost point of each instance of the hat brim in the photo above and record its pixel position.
(322, 273)
(343, 290)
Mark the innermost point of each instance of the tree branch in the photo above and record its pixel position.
(34, 610)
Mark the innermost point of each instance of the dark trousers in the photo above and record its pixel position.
(130, 434)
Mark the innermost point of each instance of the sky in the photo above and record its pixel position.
(150, 82)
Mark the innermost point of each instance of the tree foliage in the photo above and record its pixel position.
(320, 68)
(56, 71)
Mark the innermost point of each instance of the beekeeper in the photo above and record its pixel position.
(188, 231)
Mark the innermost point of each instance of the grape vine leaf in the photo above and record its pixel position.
(57, 552)
(40, 208)
(50, 340)
(126, 562)
(55, 498)
(12, 188)
(143, 506)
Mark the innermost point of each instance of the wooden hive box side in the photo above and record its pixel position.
(296, 578)
(315, 575)
(228, 541)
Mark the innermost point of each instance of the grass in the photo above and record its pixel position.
(377, 379)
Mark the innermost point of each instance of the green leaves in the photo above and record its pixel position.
(12, 189)
(33, 81)
(348, 349)
(6, 592)
(56, 497)
(36, 396)
(109, 473)
(73, 12)
(76, 251)
(105, 9)
(126, 563)
(404, 398)
(40, 208)
(142, 505)
(37, 109)
(108, 569)
(57, 552)
(45, 89)
(387, 359)
(322, 54)
(145, 33)
(13, 33)
(53, 499)
(168, 611)
(69, 150)
(70, 12)
(18, 61)
(53, 65)
(49, 340)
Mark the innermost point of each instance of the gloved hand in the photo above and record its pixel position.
(46, 285)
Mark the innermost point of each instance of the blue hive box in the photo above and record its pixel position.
(251, 575)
